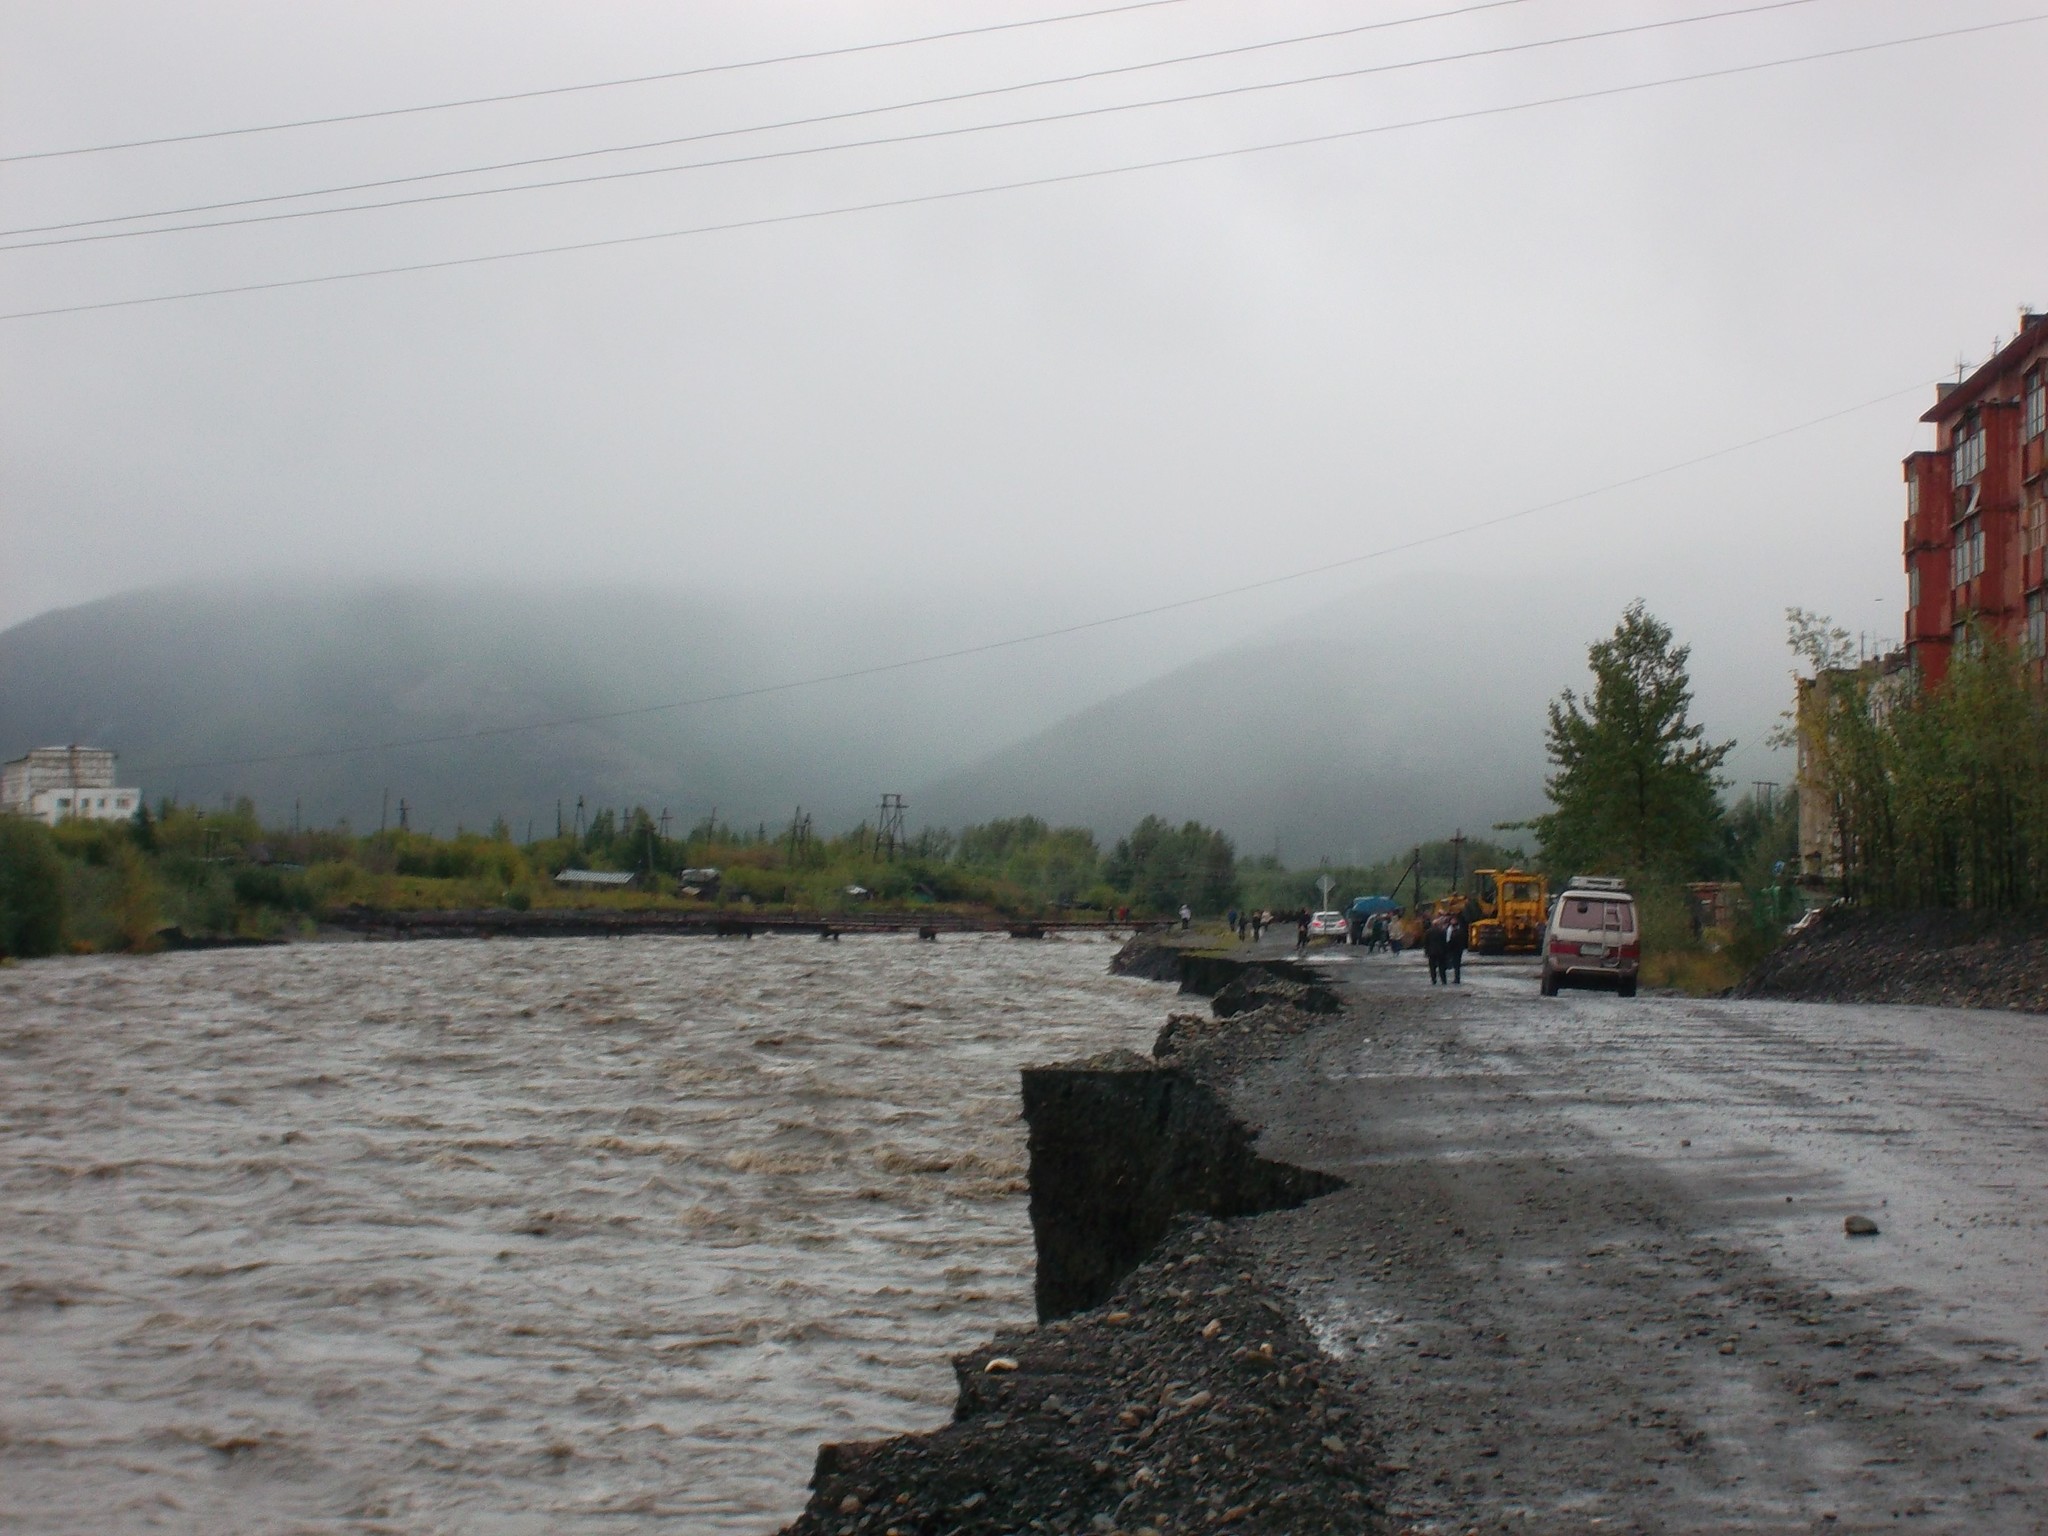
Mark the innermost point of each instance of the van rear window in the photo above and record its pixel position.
(1584, 912)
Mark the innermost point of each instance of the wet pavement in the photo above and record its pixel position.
(1592, 1271)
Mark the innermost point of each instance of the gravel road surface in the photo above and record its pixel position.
(1591, 1268)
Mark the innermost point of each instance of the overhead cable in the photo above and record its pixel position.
(1013, 642)
(591, 85)
(920, 199)
(918, 136)
(794, 122)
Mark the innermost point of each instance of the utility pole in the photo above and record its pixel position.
(579, 821)
(384, 813)
(1457, 857)
(889, 827)
(404, 814)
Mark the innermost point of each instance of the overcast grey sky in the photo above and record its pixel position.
(1052, 402)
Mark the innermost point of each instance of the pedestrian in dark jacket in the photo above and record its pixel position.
(1435, 947)
(1454, 951)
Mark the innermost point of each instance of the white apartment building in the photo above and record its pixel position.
(55, 784)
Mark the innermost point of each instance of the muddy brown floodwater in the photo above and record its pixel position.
(490, 1237)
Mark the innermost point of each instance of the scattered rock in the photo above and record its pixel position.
(1223, 1448)
(1859, 1226)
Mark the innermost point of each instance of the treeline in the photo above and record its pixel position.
(1935, 797)
(182, 870)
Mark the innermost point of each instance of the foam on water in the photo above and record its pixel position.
(577, 1234)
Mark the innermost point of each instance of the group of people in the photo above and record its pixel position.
(1444, 940)
(1443, 946)
(1250, 927)
(1376, 933)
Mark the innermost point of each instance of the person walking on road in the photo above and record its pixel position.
(1435, 948)
(1186, 916)
(1454, 950)
(1301, 931)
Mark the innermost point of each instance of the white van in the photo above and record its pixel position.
(1593, 938)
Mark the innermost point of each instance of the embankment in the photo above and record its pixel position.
(616, 922)
(1936, 959)
(1120, 1146)
(1171, 1384)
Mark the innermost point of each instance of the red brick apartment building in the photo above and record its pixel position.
(1977, 509)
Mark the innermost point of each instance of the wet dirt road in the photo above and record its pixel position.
(1591, 1265)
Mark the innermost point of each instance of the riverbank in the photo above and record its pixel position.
(1553, 1264)
(1936, 959)
(1171, 1385)
(721, 922)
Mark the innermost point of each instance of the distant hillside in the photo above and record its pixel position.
(1391, 716)
(179, 679)
(1364, 726)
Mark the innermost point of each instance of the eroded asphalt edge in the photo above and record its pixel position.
(1553, 1330)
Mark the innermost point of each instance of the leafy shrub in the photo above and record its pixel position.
(31, 889)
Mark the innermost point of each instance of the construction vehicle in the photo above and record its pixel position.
(1507, 911)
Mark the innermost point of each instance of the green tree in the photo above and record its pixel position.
(31, 889)
(1636, 785)
(1161, 867)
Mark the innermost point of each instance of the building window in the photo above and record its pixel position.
(2037, 404)
(1966, 450)
(2037, 625)
(2034, 522)
(1966, 558)
(1913, 587)
(1913, 498)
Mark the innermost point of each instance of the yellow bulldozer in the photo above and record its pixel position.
(1507, 910)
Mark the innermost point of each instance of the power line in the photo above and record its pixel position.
(796, 122)
(593, 85)
(1014, 642)
(892, 139)
(1025, 184)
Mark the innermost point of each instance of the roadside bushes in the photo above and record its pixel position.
(1938, 797)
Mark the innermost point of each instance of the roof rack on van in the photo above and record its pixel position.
(1597, 883)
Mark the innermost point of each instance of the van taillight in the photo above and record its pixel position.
(1563, 947)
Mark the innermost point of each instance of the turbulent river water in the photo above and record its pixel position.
(556, 1236)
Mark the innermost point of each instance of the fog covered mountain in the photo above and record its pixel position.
(238, 689)
(1358, 727)
(1361, 728)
